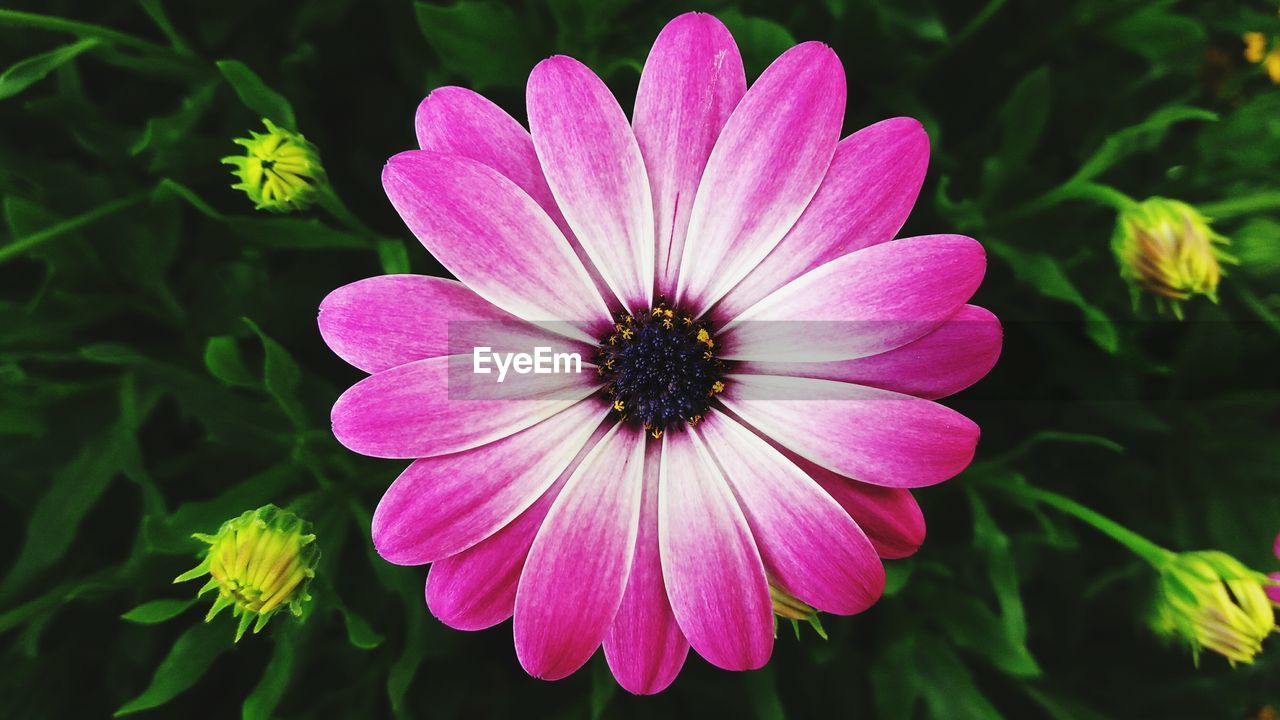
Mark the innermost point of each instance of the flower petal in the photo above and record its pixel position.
(714, 575)
(692, 81)
(494, 238)
(574, 579)
(890, 517)
(872, 435)
(381, 322)
(462, 122)
(864, 303)
(1273, 591)
(596, 172)
(444, 504)
(476, 588)
(438, 406)
(644, 646)
(810, 545)
(766, 165)
(951, 358)
(865, 197)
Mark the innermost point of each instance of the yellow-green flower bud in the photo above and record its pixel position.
(280, 171)
(1167, 248)
(1210, 600)
(258, 563)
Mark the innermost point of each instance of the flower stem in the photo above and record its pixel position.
(333, 204)
(25, 243)
(1075, 190)
(1140, 546)
(83, 29)
(1232, 207)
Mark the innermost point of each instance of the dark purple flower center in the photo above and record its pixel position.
(660, 369)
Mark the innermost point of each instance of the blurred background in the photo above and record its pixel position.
(161, 371)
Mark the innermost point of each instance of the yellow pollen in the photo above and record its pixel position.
(656, 433)
(1255, 46)
(716, 387)
(1272, 64)
(627, 333)
(704, 337)
(618, 405)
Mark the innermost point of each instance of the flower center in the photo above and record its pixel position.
(660, 369)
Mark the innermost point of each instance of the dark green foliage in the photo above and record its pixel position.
(161, 372)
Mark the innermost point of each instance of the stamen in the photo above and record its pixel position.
(659, 368)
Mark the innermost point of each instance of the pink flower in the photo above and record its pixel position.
(718, 445)
(1273, 591)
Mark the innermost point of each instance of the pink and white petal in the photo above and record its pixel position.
(445, 504)
(808, 542)
(476, 588)
(596, 173)
(494, 238)
(714, 574)
(958, 353)
(765, 167)
(890, 517)
(876, 436)
(865, 197)
(864, 303)
(644, 646)
(577, 570)
(459, 121)
(381, 322)
(438, 406)
(692, 81)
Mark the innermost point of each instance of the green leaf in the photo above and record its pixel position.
(1142, 137)
(603, 687)
(483, 42)
(762, 688)
(255, 94)
(156, 11)
(916, 19)
(1042, 272)
(896, 575)
(948, 688)
(280, 375)
(172, 533)
(760, 41)
(991, 540)
(1257, 246)
(157, 611)
(1061, 709)
(1022, 120)
(169, 129)
(23, 74)
(222, 357)
(187, 661)
(359, 633)
(73, 491)
(261, 704)
(394, 257)
(279, 233)
(1159, 36)
(405, 667)
(972, 626)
